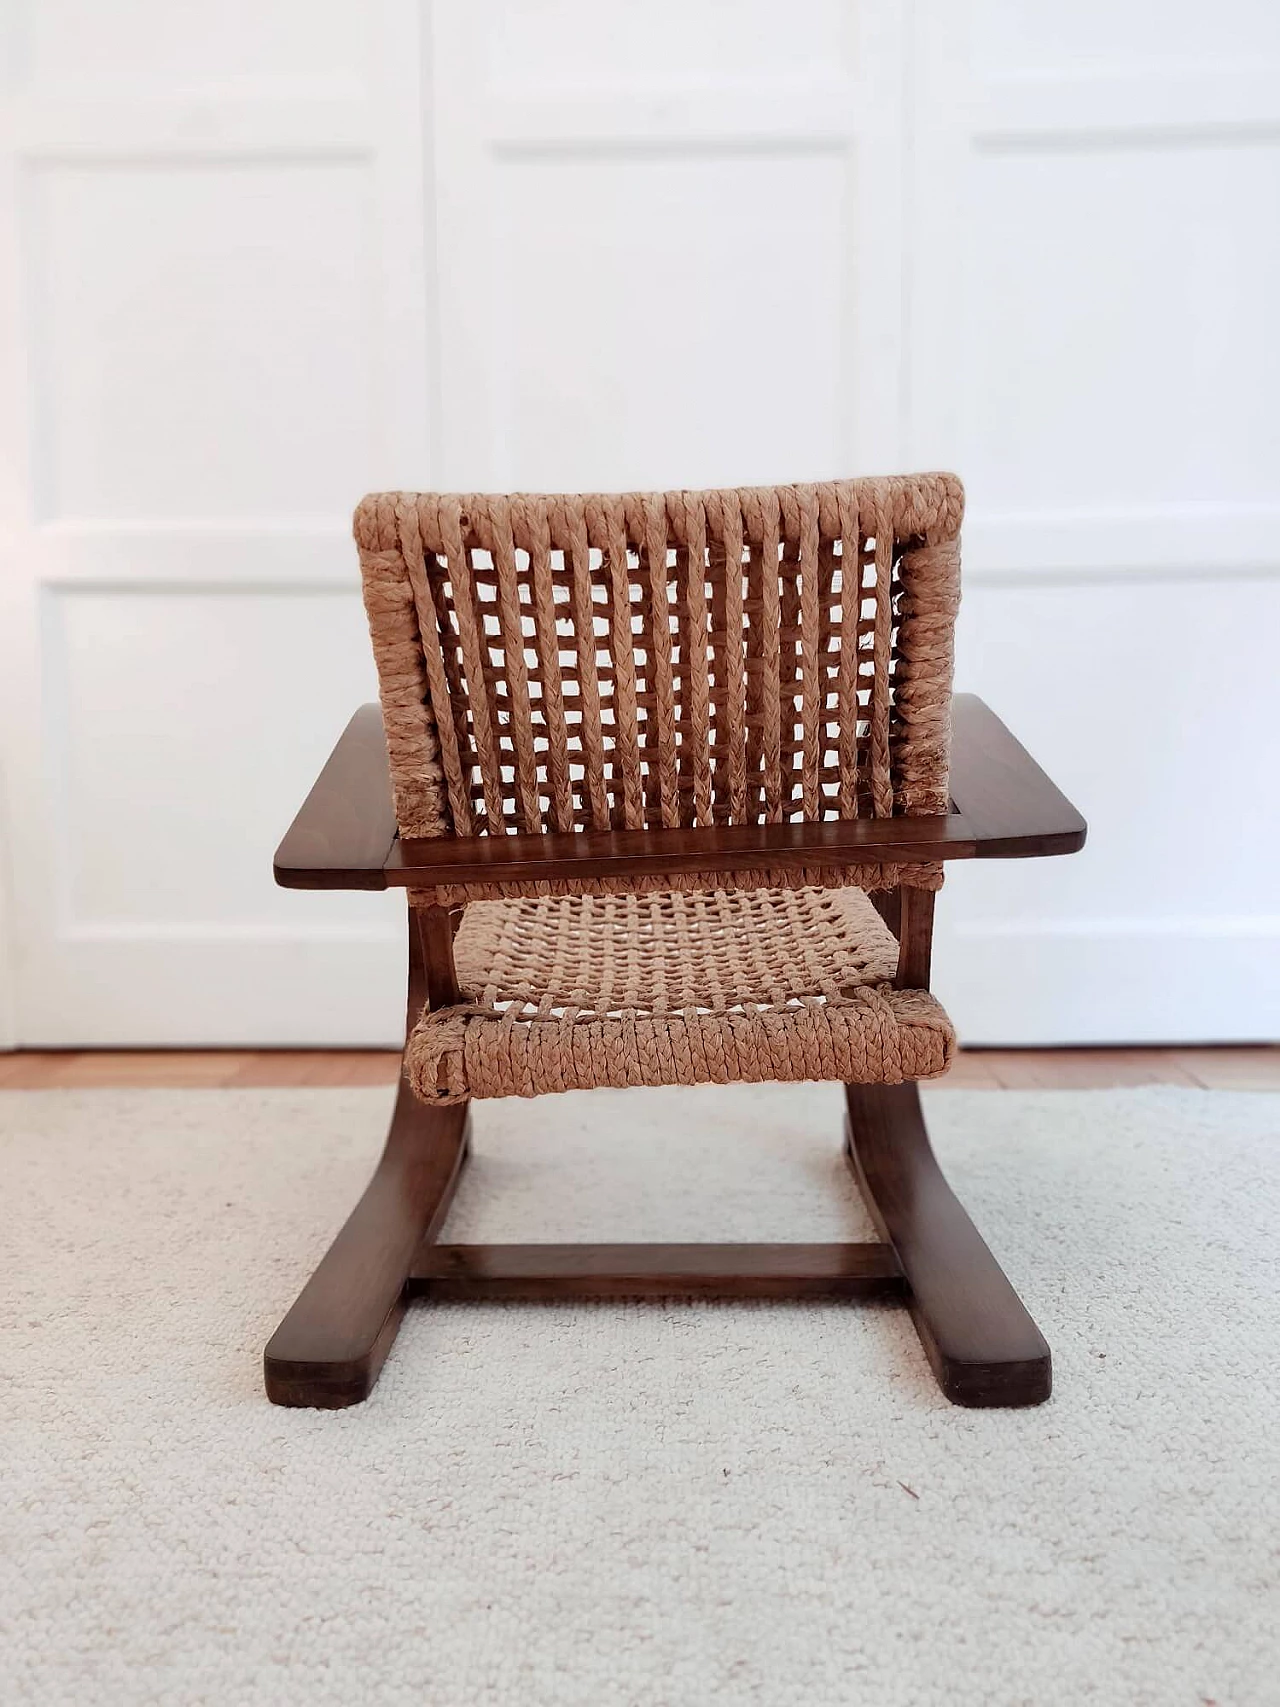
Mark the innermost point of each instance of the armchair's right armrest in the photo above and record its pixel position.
(1013, 809)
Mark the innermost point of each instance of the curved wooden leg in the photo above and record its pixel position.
(330, 1347)
(984, 1347)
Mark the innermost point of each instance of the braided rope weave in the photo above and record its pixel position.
(675, 989)
(665, 659)
(637, 660)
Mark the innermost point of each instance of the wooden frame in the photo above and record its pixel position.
(983, 1346)
(345, 836)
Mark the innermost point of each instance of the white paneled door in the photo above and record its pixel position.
(1092, 340)
(215, 338)
(259, 257)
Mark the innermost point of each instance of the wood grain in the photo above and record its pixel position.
(1088, 1069)
(549, 1272)
(914, 931)
(329, 1349)
(1012, 807)
(344, 834)
(642, 853)
(1227, 1067)
(1210, 1067)
(345, 828)
(983, 1346)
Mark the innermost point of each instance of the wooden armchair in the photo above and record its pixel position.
(670, 780)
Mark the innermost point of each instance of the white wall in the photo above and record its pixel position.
(258, 258)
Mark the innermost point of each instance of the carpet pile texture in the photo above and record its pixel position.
(602, 1506)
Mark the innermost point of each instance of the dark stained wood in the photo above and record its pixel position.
(1001, 792)
(346, 826)
(330, 1347)
(915, 938)
(984, 1348)
(436, 929)
(458, 1272)
(344, 836)
(888, 903)
(632, 853)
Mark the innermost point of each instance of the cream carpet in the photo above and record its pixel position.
(669, 1504)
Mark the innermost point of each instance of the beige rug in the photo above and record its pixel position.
(671, 1504)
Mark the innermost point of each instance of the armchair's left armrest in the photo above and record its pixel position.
(346, 827)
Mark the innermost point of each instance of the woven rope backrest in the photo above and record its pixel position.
(664, 659)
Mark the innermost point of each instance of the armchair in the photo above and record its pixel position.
(671, 781)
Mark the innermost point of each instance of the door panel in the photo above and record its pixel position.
(215, 341)
(258, 258)
(1092, 345)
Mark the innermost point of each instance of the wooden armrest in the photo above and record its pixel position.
(999, 790)
(344, 837)
(640, 853)
(346, 827)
